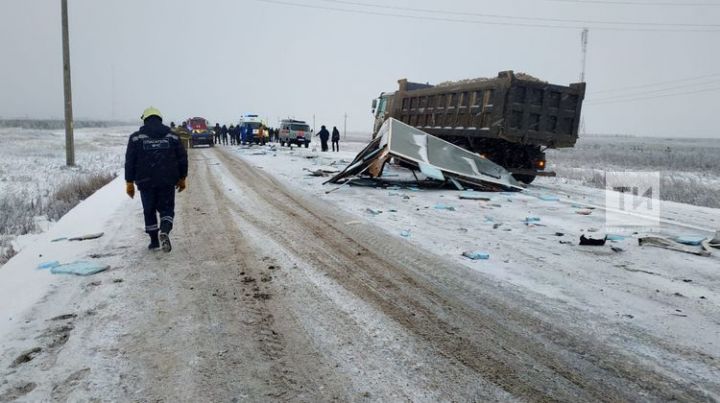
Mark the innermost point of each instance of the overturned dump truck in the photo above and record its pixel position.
(510, 119)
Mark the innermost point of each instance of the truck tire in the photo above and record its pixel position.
(526, 179)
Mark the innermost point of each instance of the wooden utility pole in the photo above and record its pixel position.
(69, 140)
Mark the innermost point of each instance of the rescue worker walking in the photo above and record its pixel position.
(335, 139)
(157, 163)
(324, 136)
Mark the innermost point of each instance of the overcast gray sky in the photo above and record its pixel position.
(223, 58)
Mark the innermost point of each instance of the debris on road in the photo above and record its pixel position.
(476, 255)
(614, 237)
(405, 233)
(373, 211)
(441, 206)
(48, 265)
(584, 212)
(434, 157)
(80, 268)
(692, 240)
(715, 242)
(87, 237)
(585, 241)
(659, 242)
(474, 196)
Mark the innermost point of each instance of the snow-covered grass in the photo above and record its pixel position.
(36, 186)
(689, 168)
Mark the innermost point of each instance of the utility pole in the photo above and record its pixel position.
(345, 128)
(69, 140)
(584, 42)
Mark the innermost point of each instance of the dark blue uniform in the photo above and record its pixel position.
(156, 160)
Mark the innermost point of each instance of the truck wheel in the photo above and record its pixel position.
(526, 179)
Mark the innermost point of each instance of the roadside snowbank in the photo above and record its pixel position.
(22, 284)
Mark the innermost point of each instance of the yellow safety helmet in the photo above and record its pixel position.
(151, 111)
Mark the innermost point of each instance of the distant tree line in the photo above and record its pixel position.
(56, 124)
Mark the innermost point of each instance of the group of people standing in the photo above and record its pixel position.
(325, 135)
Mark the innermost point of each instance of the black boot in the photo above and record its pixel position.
(154, 240)
(165, 242)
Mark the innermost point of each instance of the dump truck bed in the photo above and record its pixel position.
(517, 108)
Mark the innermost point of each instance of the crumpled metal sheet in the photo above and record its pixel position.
(431, 155)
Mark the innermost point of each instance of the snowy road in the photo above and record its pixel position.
(271, 295)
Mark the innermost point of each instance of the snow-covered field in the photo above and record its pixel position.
(689, 168)
(32, 169)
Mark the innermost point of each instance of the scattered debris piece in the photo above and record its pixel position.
(436, 158)
(530, 219)
(715, 242)
(79, 268)
(405, 233)
(48, 265)
(693, 240)
(592, 241)
(566, 242)
(474, 196)
(476, 255)
(584, 212)
(548, 198)
(659, 242)
(559, 234)
(441, 206)
(496, 226)
(373, 211)
(431, 171)
(617, 249)
(59, 239)
(353, 222)
(614, 237)
(87, 237)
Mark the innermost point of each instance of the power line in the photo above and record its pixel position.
(476, 22)
(657, 91)
(638, 3)
(511, 17)
(605, 102)
(655, 84)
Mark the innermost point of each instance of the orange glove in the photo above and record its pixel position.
(180, 186)
(130, 189)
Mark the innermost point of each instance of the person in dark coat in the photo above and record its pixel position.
(324, 137)
(231, 134)
(224, 134)
(216, 131)
(156, 161)
(335, 139)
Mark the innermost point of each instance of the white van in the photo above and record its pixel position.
(295, 132)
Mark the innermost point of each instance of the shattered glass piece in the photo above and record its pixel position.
(80, 268)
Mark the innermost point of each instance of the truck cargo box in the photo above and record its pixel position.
(518, 108)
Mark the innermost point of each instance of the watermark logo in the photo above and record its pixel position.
(632, 200)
